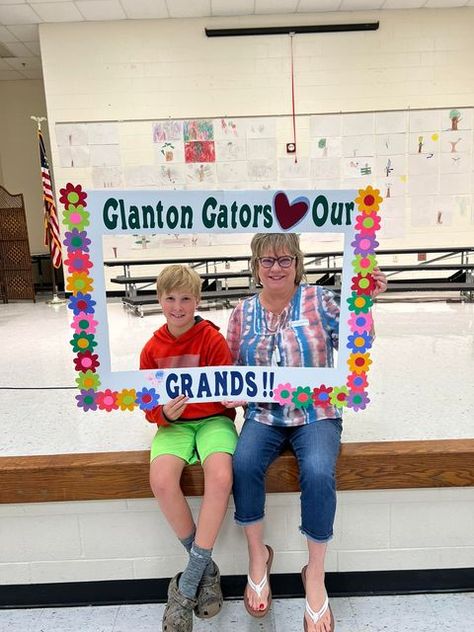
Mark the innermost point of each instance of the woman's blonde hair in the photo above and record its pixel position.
(277, 243)
(179, 277)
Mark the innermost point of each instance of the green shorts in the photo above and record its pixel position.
(194, 441)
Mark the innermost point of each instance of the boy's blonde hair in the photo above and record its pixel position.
(179, 277)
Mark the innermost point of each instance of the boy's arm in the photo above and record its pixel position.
(156, 415)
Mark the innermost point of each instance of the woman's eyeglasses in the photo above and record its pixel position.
(269, 262)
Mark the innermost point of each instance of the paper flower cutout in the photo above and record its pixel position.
(88, 380)
(76, 217)
(87, 400)
(369, 200)
(107, 400)
(83, 342)
(360, 323)
(81, 303)
(364, 264)
(84, 322)
(359, 362)
(368, 223)
(360, 303)
(126, 399)
(86, 360)
(357, 382)
(302, 397)
(359, 343)
(364, 244)
(363, 284)
(283, 394)
(78, 262)
(147, 398)
(358, 400)
(339, 396)
(76, 240)
(321, 396)
(72, 195)
(79, 282)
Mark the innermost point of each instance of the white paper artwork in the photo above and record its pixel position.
(261, 128)
(261, 148)
(424, 121)
(103, 133)
(262, 170)
(389, 144)
(141, 176)
(230, 128)
(107, 177)
(71, 134)
(169, 151)
(200, 174)
(355, 146)
(455, 184)
(361, 167)
(427, 143)
(230, 149)
(362, 123)
(163, 131)
(422, 210)
(391, 122)
(456, 142)
(326, 147)
(324, 125)
(231, 172)
(289, 169)
(455, 163)
(423, 184)
(105, 155)
(171, 174)
(326, 168)
(393, 224)
(423, 164)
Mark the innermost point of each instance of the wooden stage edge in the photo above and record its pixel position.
(121, 475)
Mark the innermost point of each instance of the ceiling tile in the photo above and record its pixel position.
(24, 63)
(224, 7)
(18, 14)
(34, 73)
(17, 49)
(10, 75)
(12, 2)
(142, 9)
(25, 32)
(312, 6)
(58, 12)
(101, 9)
(34, 47)
(6, 35)
(187, 9)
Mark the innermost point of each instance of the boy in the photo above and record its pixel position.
(188, 433)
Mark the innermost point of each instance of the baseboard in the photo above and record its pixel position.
(286, 585)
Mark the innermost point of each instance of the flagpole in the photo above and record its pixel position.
(55, 300)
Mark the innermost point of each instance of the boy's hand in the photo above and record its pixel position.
(175, 407)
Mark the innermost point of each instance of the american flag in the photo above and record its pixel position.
(51, 224)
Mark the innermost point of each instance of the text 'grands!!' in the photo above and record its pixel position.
(118, 214)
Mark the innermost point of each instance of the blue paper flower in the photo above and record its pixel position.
(147, 398)
(81, 303)
(359, 343)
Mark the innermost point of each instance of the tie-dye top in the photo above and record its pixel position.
(304, 334)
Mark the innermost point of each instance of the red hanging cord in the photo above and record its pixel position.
(293, 95)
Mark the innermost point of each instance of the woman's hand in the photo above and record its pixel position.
(175, 407)
(380, 282)
(234, 404)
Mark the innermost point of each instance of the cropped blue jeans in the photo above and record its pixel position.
(316, 447)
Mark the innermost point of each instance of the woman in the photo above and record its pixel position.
(287, 324)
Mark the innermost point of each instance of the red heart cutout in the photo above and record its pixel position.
(289, 214)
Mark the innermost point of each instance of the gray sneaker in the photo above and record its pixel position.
(209, 595)
(178, 614)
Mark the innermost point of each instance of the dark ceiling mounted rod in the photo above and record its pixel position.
(286, 30)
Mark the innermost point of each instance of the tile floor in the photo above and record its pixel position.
(416, 613)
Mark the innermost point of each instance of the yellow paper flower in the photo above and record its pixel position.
(359, 362)
(126, 399)
(79, 282)
(369, 200)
